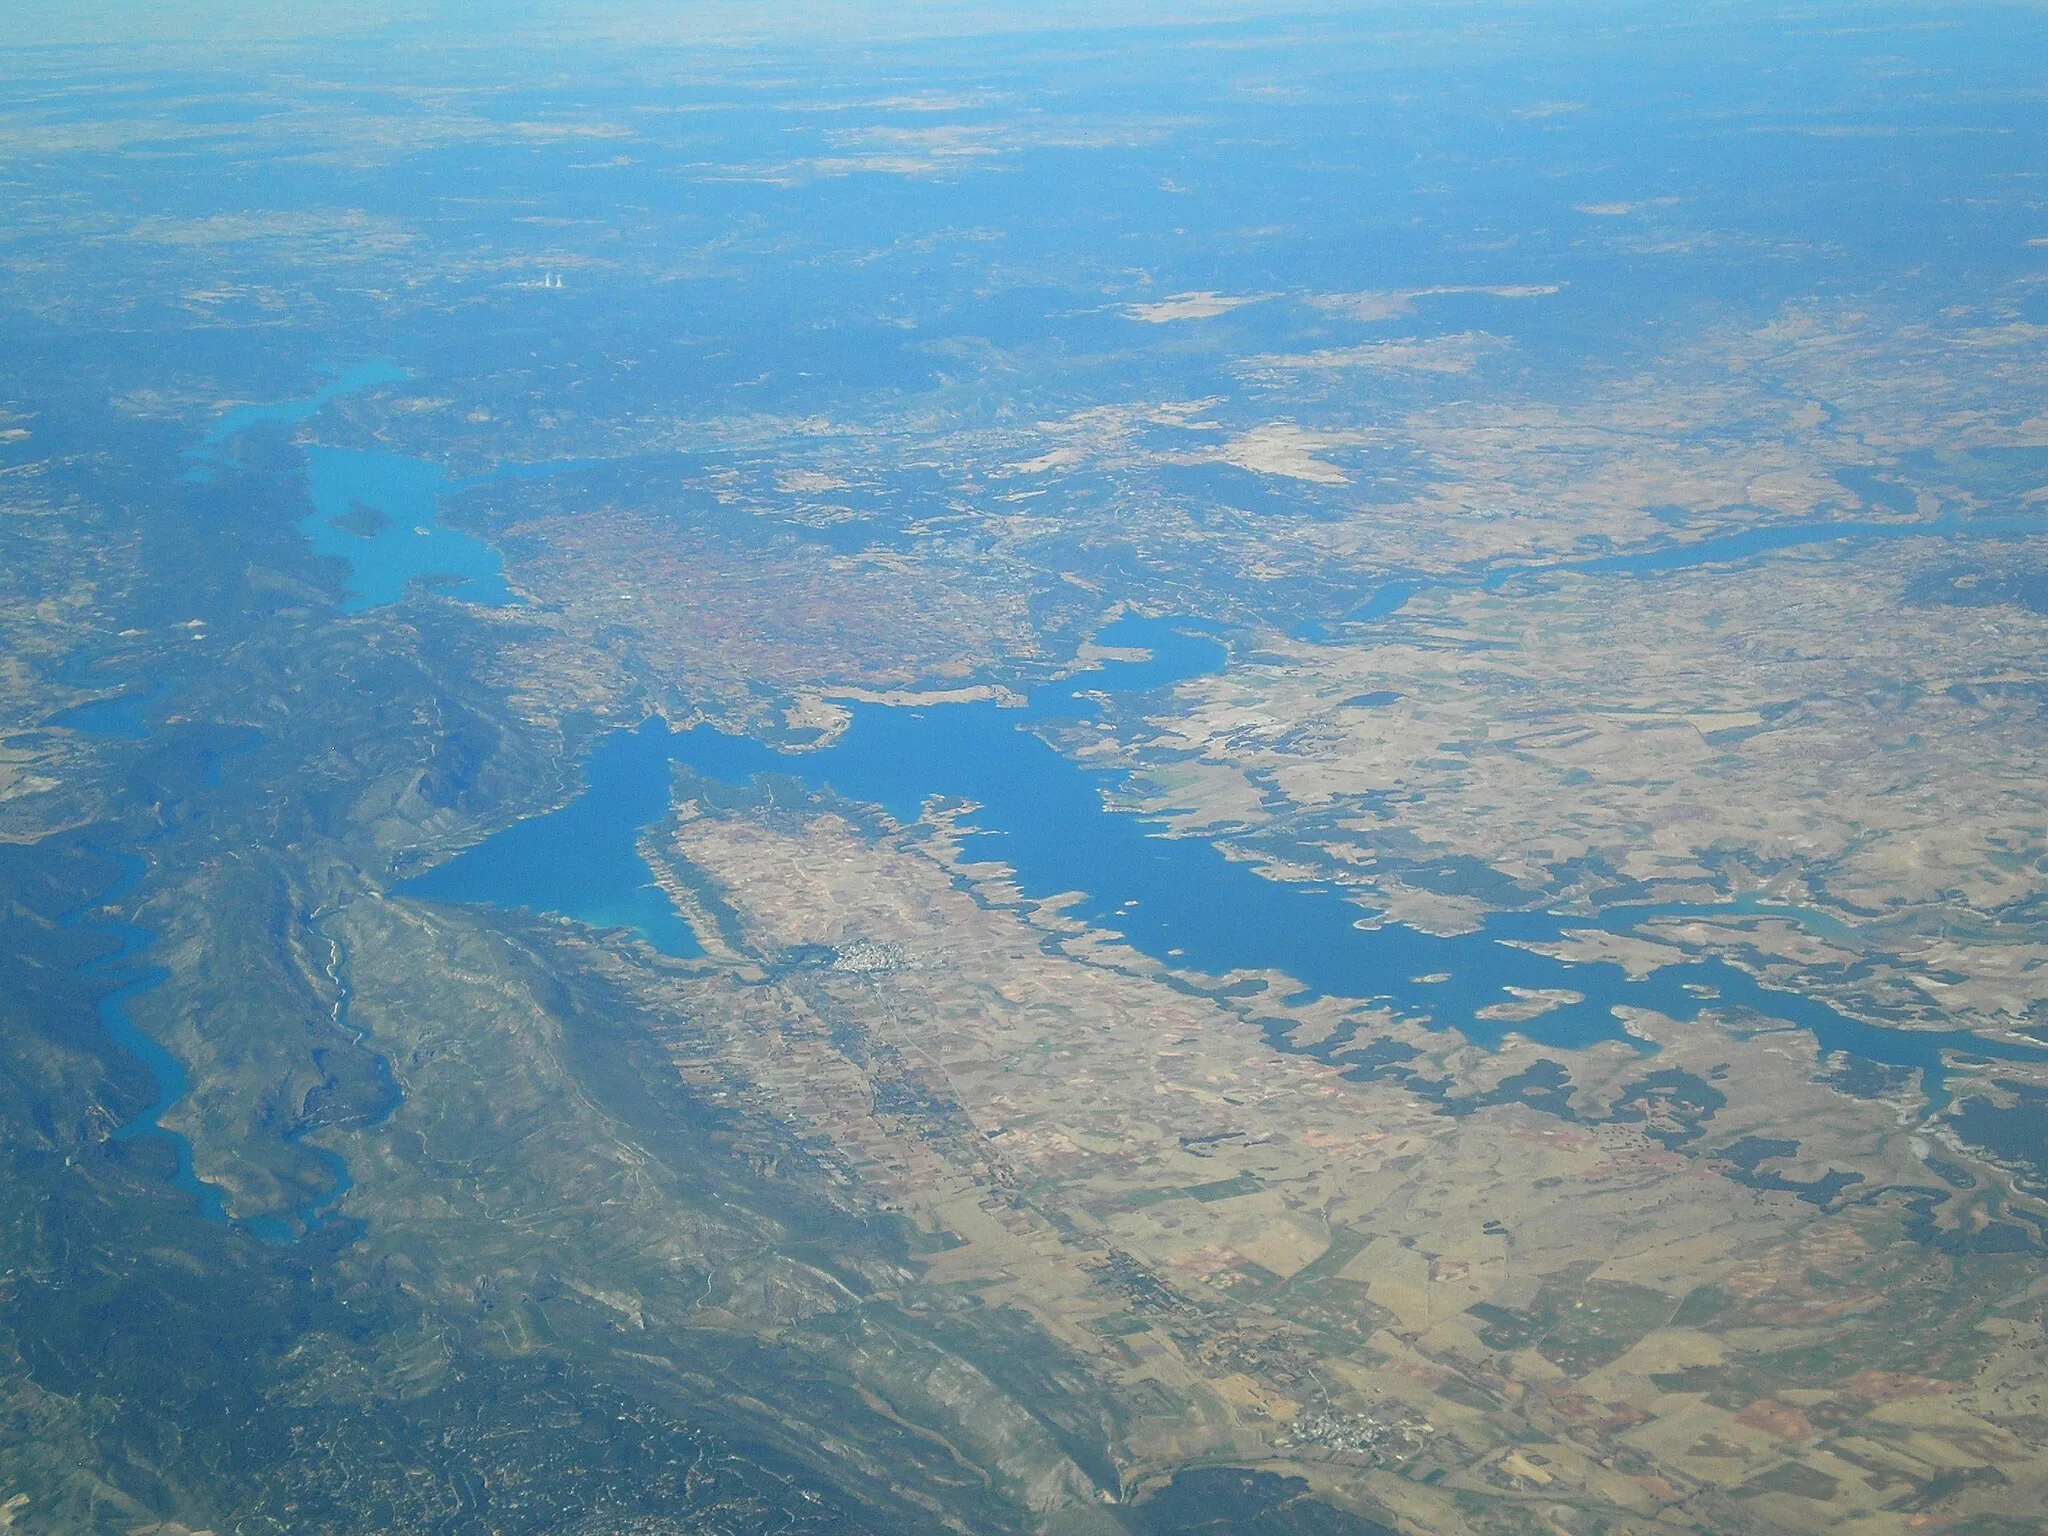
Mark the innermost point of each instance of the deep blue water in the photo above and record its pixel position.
(124, 717)
(166, 1073)
(1180, 900)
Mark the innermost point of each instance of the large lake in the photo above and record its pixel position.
(377, 511)
(1179, 900)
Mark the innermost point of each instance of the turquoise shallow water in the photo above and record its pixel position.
(206, 460)
(377, 511)
(380, 512)
(582, 861)
(1180, 900)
